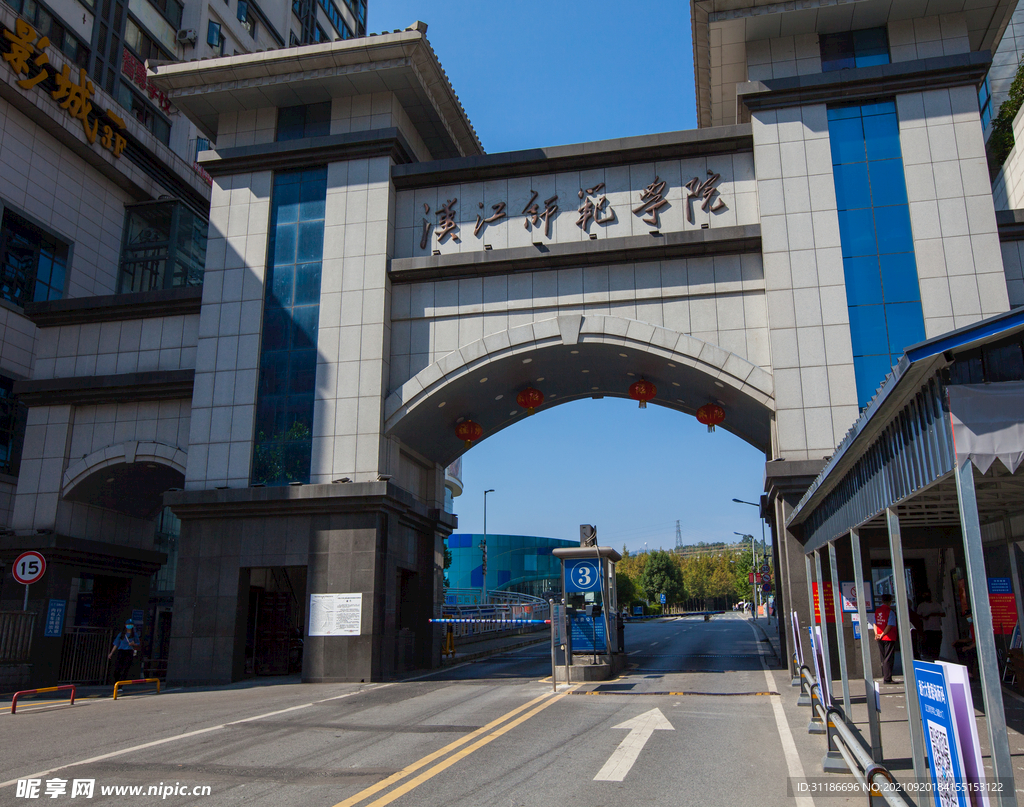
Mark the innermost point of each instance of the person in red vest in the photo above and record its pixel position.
(885, 634)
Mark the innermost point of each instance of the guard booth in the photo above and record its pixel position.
(590, 644)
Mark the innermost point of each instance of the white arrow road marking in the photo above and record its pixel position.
(640, 728)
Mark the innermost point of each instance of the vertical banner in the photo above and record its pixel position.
(959, 686)
(797, 643)
(819, 665)
(830, 613)
(941, 743)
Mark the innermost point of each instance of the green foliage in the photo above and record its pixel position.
(625, 590)
(661, 575)
(1000, 141)
(447, 563)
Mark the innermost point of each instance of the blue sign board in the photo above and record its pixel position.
(582, 575)
(138, 618)
(940, 735)
(638, 610)
(55, 618)
(586, 633)
(664, 599)
(1000, 585)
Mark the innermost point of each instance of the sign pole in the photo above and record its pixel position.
(24, 605)
(553, 615)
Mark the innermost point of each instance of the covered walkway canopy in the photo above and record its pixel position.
(939, 446)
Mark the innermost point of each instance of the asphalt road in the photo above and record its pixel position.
(483, 733)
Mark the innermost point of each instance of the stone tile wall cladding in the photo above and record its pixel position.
(816, 399)
(718, 300)
(955, 237)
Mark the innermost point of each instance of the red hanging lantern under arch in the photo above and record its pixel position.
(530, 399)
(711, 414)
(642, 391)
(469, 432)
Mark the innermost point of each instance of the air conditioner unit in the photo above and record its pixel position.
(187, 36)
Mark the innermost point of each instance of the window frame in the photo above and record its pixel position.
(850, 38)
(48, 232)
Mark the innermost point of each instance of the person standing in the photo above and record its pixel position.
(932, 614)
(126, 646)
(886, 636)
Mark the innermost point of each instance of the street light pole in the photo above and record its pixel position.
(483, 550)
(753, 560)
(764, 547)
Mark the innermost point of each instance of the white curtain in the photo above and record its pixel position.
(988, 423)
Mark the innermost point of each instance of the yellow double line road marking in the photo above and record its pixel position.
(538, 705)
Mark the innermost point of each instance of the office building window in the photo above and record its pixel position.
(171, 9)
(33, 264)
(310, 120)
(215, 37)
(864, 48)
(880, 269)
(145, 112)
(247, 17)
(164, 247)
(13, 417)
(283, 442)
(47, 24)
(985, 103)
(142, 44)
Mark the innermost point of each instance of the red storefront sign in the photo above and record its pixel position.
(136, 71)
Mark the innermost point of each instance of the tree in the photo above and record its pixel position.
(661, 575)
(1000, 141)
(625, 589)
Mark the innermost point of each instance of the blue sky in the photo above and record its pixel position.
(533, 74)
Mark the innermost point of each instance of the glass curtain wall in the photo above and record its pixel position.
(164, 247)
(882, 291)
(291, 314)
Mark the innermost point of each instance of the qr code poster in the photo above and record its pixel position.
(946, 791)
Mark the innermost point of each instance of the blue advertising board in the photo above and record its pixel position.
(586, 633)
(55, 617)
(663, 599)
(582, 575)
(940, 735)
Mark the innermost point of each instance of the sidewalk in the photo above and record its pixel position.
(895, 732)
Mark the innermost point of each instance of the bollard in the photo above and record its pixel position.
(14, 700)
(138, 681)
(795, 681)
(805, 698)
(833, 761)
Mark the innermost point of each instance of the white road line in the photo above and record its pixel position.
(184, 736)
(793, 763)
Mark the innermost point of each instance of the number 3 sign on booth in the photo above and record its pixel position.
(582, 575)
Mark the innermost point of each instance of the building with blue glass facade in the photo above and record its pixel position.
(517, 563)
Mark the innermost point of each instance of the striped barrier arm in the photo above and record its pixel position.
(138, 681)
(14, 700)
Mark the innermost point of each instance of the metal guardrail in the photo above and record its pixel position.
(14, 700)
(496, 617)
(83, 660)
(138, 681)
(844, 744)
(16, 636)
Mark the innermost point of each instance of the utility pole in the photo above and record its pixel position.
(483, 552)
(679, 536)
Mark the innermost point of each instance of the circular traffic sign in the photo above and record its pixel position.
(29, 567)
(766, 587)
(765, 577)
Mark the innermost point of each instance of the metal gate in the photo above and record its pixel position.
(16, 636)
(83, 659)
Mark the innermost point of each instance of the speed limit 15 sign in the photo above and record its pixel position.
(29, 567)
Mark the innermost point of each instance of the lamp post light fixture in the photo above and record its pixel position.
(483, 550)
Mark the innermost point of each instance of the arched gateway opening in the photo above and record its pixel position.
(568, 358)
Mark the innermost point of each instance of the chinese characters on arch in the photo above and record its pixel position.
(26, 56)
(594, 210)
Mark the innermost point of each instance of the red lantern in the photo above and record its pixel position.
(469, 431)
(642, 391)
(530, 399)
(711, 415)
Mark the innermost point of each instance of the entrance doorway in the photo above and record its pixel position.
(276, 621)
